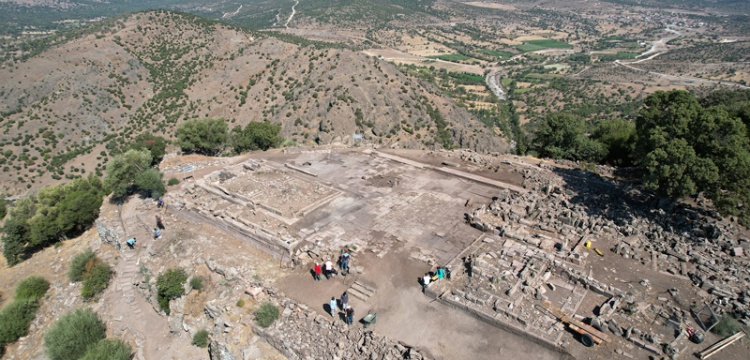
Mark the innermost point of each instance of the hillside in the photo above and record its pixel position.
(66, 109)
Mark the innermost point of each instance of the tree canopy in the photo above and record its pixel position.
(256, 136)
(203, 136)
(55, 212)
(687, 148)
(131, 172)
(156, 145)
(563, 136)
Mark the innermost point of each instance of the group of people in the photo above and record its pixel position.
(327, 268)
(428, 278)
(157, 230)
(347, 309)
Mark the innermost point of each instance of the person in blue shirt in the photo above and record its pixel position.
(131, 243)
(345, 261)
(334, 308)
(440, 273)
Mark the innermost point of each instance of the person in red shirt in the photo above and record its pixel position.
(317, 271)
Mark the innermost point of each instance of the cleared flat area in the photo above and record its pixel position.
(400, 215)
(405, 314)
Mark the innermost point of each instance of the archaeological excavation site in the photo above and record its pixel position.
(541, 260)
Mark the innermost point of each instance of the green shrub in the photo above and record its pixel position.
(266, 315)
(202, 136)
(108, 349)
(727, 326)
(32, 288)
(170, 285)
(173, 182)
(150, 183)
(200, 339)
(96, 280)
(15, 319)
(94, 273)
(196, 283)
(240, 303)
(72, 335)
(79, 265)
(3, 207)
(157, 145)
(256, 136)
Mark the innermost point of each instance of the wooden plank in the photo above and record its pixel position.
(565, 318)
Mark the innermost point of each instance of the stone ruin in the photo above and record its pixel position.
(256, 200)
(538, 243)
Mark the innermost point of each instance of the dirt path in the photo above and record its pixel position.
(130, 312)
(658, 48)
(286, 24)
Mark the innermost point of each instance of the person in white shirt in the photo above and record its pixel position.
(328, 269)
(426, 280)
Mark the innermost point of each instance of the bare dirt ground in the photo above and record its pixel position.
(404, 313)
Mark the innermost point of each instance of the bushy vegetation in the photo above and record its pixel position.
(131, 173)
(72, 336)
(109, 349)
(200, 339)
(686, 148)
(156, 145)
(170, 285)
(55, 212)
(94, 273)
(173, 182)
(266, 315)
(80, 264)
(33, 288)
(683, 146)
(256, 136)
(96, 280)
(16, 317)
(3, 207)
(196, 283)
(563, 136)
(203, 136)
(727, 326)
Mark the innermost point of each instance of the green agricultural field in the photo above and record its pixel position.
(557, 66)
(534, 45)
(451, 57)
(503, 55)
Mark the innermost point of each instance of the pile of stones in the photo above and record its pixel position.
(301, 333)
(677, 239)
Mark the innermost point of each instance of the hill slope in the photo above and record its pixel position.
(65, 110)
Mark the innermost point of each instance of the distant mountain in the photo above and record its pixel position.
(78, 97)
(17, 16)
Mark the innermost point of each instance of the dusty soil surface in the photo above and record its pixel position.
(404, 313)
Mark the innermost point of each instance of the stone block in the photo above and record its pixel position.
(738, 251)
(254, 291)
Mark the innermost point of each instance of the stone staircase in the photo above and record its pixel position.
(128, 277)
(361, 291)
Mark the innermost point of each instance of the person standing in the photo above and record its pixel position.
(349, 315)
(345, 261)
(328, 269)
(317, 270)
(425, 281)
(344, 300)
(159, 223)
(332, 305)
(157, 233)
